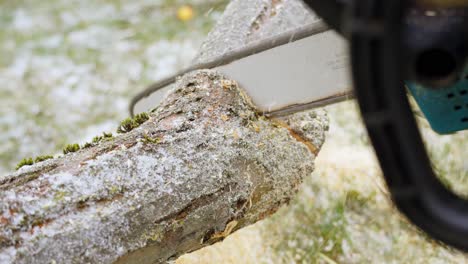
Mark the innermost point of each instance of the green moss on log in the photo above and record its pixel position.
(129, 124)
(25, 162)
(43, 158)
(141, 118)
(97, 139)
(71, 148)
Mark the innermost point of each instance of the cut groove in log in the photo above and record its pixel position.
(204, 165)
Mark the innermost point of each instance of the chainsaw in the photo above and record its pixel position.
(377, 52)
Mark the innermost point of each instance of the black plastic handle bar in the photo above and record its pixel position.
(375, 29)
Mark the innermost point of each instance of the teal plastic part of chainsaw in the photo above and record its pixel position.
(445, 109)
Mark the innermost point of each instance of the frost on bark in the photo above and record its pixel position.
(203, 166)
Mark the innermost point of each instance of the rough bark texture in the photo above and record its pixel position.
(203, 166)
(247, 21)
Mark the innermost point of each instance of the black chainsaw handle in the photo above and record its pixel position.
(379, 86)
(375, 29)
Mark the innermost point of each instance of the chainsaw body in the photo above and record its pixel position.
(446, 109)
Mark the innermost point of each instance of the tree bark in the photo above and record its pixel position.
(203, 166)
(248, 21)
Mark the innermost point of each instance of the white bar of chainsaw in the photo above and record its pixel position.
(295, 71)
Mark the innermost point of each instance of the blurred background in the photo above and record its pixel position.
(69, 68)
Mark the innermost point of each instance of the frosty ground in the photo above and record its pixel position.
(69, 68)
